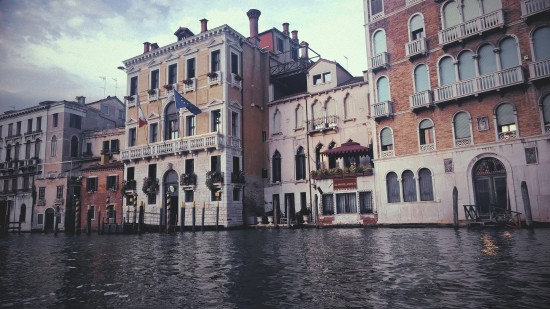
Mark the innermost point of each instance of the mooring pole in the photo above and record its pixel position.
(77, 217)
(526, 204)
(316, 211)
(56, 219)
(134, 202)
(217, 210)
(202, 219)
(193, 226)
(168, 212)
(182, 216)
(99, 222)
(275, 215)
(89, 221)
(141, 217)
(455, 207)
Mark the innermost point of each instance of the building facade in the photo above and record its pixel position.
(461, 99)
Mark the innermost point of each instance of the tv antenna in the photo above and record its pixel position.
(104, 84)
(116, 85)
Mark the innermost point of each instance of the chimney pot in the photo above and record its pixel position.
(81, 100)
(253, 16)
(285, 28)
(295, 35)
(146, 47)
(204, 25)
(154, 46)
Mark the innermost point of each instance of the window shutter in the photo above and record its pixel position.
(386, 137)
(505, 114)
(383, 89)
(446, 71)
(487, 60)
(466, 68)
(426, 124)
(416, 23)
(462, 125)
(392, 185)
(425, 182)
(509, 57)
(421, 78)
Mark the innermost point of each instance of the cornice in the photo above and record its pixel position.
(314, 94)
(23, 112)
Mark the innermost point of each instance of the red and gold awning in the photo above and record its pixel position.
(348, 149)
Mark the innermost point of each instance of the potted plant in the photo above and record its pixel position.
(152, 91)
(129, 97)
(212, 74)
(305, 214)
(150, 186)
(168, 86)
(188, 81)
(238, 77)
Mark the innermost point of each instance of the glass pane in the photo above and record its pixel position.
(462, 125)
(487, 60)
(466, 68)
(509, 57)
(421, 78)
(541, 42)
(446, 71)
(383, 89)
(379, 42)
(470, 9)
(451, 16)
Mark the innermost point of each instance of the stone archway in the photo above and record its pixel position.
(489, 176)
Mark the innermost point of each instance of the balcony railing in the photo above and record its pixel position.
(382, 109)
(505, 136)
(533, 7)
(421, 100)
(58, 201)
(236, 80)
(129, 185)
(188, 179)
(463, 142)
(480, 84)
(379, 61)
(427, 147)
(189, 84)
(387, 154)
(539, 69)
(153, 94)
(214, 78)
(416, 47)
(41, 202)
(169, 88)
(323, 124)
(200, 142)
(472, 27)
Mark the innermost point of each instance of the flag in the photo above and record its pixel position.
(141, 121)
(182, 102)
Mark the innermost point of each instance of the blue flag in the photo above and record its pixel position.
(182, 102)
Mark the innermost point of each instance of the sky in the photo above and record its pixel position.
(60, 49)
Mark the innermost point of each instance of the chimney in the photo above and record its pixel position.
(253, 16)
(295, 35)
(183, 33)
(285, 28)
(305, 47)
(146, 46)
(204, 25)
(81, 100)
(154, 46)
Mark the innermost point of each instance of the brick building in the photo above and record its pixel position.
(461, 99)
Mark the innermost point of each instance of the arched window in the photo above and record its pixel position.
(462, 129)
(383, 89)
(379, 40)
(277, 121)
(318, 158)
(466, 66)
(8, 152)
(392, 185)
(37, 148)
(386, 139)
(331, 160)
(451, 17)
(506, 121)
(276, 167)
(348, 108)
(23, 213)
(541, 43)
(16, 151)
(470, 9)
(421, 78)
(489, 6)
(546, 113)
(330, 108)
(74, 146)
(28, 150)
(425, 184)
(300, 164)
(171, 122)
(53, 146)
(416, 27)
(509, 56)
(487, 61)
(409, 186)
(299, 119)
(426, 132)
(446, 71)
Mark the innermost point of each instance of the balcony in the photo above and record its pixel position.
(129, 185)
(131, 100)
(41, 202)
(382, 110)
(387, 154)
(189, 84)
(463, 142)
(427, 148)
(421, 100)
(58, 201)
(416, 48)
(172, 147)
(153, 94)
(472, 27)
(480, 84)
(346, 172)
(169, 88)
(322, 124)
(236, 80)
(380, 61)
(87, 154)
(237, 177)
(533, 7)
(33, 135)
(506, 136)
(188, 179)
(214, 78)
(214, 178)
(539, 69)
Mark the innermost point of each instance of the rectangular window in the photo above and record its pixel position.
(130, 172)
(112, 182)
(294, 53)
(29, 125)
(92, 212)
(346, 203)
(190, 68)
(14, 185)
(236, 194)
(121, 115)
(215, 163)
(234, 63)
(190, 122)
(88, 149)
(55, 120)
(189, 196)
(38, 125)
(365, 202)
(303, 200)
(26, 182)
(173, 73)
(236, 164)
(18, 130)
(152, 173)
(105, 148)
(153, 132)
(215, 61)
(132, 137)
(216, 120)
(41, 193)
(75, 121)
(59, 193)
(114, 146)
(327, 77)
(10, 129)
(234, 124)
(376, 7)
(133, 85)
(105, 109)
(40, 219)
(280, 45)
(154, 79)
(91, 184)
(317, 79)
(328, 208)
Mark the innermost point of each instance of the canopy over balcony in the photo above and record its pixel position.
(348, 149)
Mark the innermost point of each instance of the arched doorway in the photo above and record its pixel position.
(170, 192)
(48, 222)
(489, 176)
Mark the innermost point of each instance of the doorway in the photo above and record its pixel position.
(290, 209)
(4, 216)
(170, 218)
(49, 221)
(490, 185)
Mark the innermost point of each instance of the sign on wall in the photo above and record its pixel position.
(344, 183)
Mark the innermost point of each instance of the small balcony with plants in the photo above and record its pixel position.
(214, 179)
(237, 177)
(214, 78)
(352, 171)
(322, 124)
(188, 179)
(189, 84)
(153, 94)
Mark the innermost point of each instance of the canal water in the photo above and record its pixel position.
(308, 268)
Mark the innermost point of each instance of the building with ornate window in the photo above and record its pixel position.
(460, 96)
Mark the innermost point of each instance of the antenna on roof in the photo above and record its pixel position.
(104, 84)
(346, 63)
(116, 85)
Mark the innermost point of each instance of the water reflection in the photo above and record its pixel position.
(330, 268)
